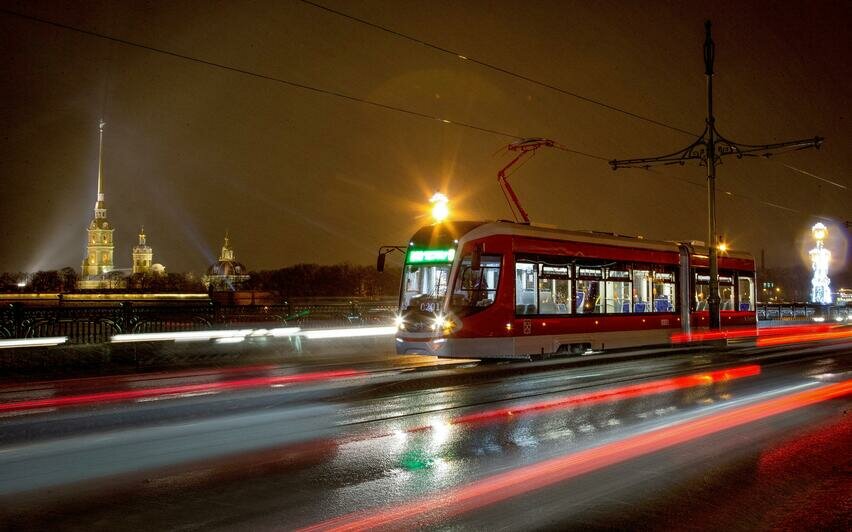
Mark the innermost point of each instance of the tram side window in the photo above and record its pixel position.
(554, 289)
(589, 298)
(664, 292)
(746, 291)
(526, 277)
(702, 292)
(726, 292)
(618, 294)
(642, 290)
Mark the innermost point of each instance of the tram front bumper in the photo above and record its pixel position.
(422, 346)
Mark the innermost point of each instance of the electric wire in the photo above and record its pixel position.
(496, 68)
(266, 77)
(507, 72)
(364, 101)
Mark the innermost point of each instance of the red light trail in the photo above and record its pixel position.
(805, 337)
(587, 399)
(536, 476)
(749, 332)
(127, 395)
(620, 393)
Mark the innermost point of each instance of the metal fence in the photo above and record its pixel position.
(803, 312)
(90, 324)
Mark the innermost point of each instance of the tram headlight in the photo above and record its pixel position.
(399, 322)
(443, 324)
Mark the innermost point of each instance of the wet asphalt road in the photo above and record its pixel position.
(432, 447)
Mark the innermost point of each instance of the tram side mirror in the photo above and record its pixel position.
(476, 260)
(380, 263)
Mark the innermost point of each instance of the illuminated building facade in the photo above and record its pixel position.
(226, 273)
(99, 238)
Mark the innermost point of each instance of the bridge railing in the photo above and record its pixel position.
(796, 311)
(89, 324)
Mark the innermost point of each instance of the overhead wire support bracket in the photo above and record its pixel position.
(709, 148)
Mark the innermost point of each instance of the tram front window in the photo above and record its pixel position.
(424, 287)
(476, 289)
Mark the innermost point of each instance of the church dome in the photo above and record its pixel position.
(226, 267)
(226, 273)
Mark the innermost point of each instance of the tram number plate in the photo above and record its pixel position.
(527, 326)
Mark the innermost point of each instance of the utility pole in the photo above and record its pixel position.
(709, 148)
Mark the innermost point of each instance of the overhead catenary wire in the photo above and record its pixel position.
(267, 77)
(523, 77)
(333, 93)
(495, 68)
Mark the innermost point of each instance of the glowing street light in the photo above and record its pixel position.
(440, 207)
(723, 247)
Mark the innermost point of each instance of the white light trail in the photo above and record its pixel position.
(33, 342)
(349, 333)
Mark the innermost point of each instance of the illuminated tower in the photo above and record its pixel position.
(143, 255)
(99, 243)
(820, 258)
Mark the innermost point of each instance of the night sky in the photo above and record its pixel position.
(297, 176)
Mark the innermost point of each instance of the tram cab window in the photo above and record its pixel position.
(589, 296)
(476, 289)
(642, 290)
(424, 287)
(554, 289)
(745, 287)
(617, 290)
(726, 291)
(664, 292)
(526, 281)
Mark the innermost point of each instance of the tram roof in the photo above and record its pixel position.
(482, 229)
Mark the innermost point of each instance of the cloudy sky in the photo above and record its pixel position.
(298, 175)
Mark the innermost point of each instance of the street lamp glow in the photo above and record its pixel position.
(440, 207)
(723, 247)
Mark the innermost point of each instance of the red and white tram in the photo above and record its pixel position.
(510, 290)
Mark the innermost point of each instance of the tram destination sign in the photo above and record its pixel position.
(430, 256)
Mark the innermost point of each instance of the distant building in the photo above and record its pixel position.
(226, 273)
(98, 262)
(143, 257)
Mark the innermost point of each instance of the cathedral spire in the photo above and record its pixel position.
(100, 206)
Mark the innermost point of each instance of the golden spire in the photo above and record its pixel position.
(100, 207)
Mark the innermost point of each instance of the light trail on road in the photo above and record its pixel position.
(177, 390)
(525, 479)
(620, 393)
